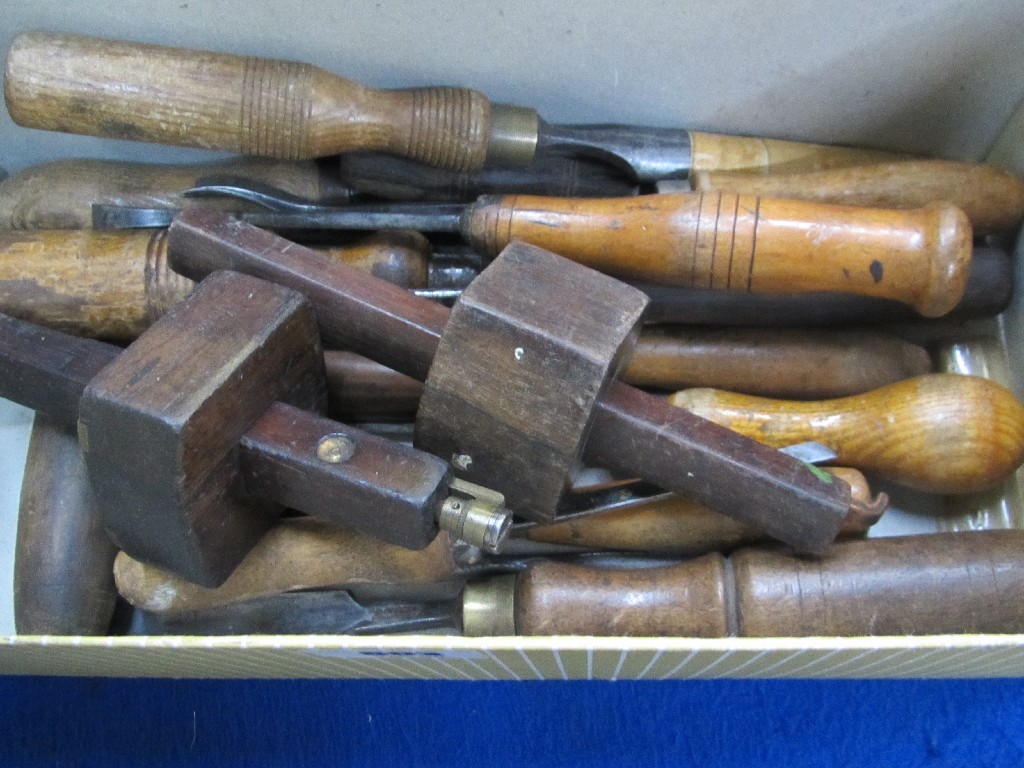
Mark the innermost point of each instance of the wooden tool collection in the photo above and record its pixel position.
(231, 358)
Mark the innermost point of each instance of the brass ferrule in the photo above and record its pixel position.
(488, 607)
(475, 515)
(513, 139)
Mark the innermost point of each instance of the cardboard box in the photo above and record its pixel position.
(938, 78)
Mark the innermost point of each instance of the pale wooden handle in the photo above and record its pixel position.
(113, 285)
(746, 244)
(940, 433)
(752, 155)
(993, 199)
(681, 526)
(243, 104)
(60, 194)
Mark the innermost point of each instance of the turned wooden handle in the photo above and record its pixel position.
(60, 194)
(114, 285)
(956, 583)
(297, 553)
(744, 243)
(752, 155)
(63, 563)
(241, 104)
(680, 526)
(779, 363)
(940, 433)
(993, 199)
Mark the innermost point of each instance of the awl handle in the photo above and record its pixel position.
(993, 199)
(744, 243)
(241, 104)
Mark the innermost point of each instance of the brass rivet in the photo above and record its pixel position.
(334, 449)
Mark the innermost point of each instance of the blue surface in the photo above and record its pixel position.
(75, 721)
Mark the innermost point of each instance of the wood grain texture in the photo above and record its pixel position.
(993, 199)
(296, 553)
(114, 285)
(744, 243)
(248, 105)
(752, 155)
(60, 194)
(940, 433)
(64, 559)
(161, 424)
(968, 582)
(780, 363)
(680, 526)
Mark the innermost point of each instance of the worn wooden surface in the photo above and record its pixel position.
(940, 584)
(744, 243)
(114, 285)
(634, 434)
(797, 364)
(60, 194)
(241, 104)
(993, 199)
(160, 425)
(64, 559)
(940, 433)
(753, 155)
(527, 352)
(298, 553)
(681, 526)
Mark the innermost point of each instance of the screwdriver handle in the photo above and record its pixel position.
(744, 243)
(993, 199)
(242, 104)
(114, 285)
(940, 433)
(752, 155)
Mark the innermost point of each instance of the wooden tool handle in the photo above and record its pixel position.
(63, 564)
(780, 363)
(113, 285)
(940, 433)
(297, 553)
(60, 194)
(744, 243)
(680, 526)
(752, 155)
(242, 104)
(993, 199)
(916, 585)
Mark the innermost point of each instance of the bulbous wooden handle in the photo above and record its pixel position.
(744, 243)
(993, 199)
(60, 194)
(752, 155)
(242, 104)
(114, 285)
(940, 433)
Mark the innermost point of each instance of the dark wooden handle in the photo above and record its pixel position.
(940, 433)
(993, 199)
(60, 194)
(249, 105)
(113, 285)
(753, 155)
(744, 243)
(64, 559)
(918, 585)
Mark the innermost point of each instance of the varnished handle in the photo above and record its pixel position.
(242, 104)
(680, 526)
(60, 194)
(744, 243)
(993, 199)
(113, 285)
(940, 433)
(752, 155)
